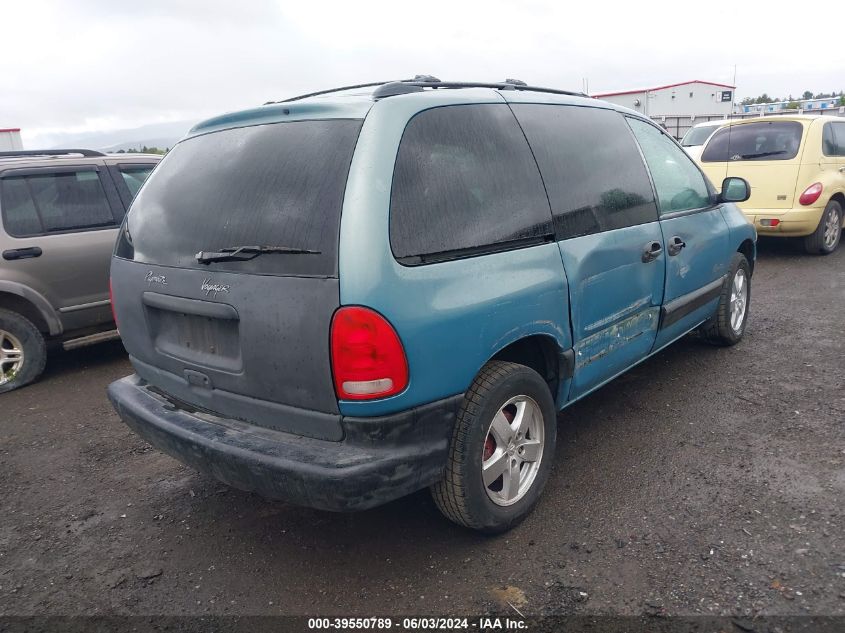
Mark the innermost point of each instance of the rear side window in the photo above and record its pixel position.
(134, 176)
(696, 136)
(591, 167)
(465, 182)
(770, 140)
(44, 203)
(277, 185)
(833, 139)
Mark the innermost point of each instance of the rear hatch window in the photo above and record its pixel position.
(276, 185)
(771, 140)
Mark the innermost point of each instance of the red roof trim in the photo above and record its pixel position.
(683, 83)
(10, 129)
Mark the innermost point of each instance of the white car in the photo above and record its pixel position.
(696, 137)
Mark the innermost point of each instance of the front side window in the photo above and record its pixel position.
(45, 203)
(679, 184)
(769, 140)
(591, 167)
(464, 181)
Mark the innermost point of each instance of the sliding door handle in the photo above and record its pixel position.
(652, 251)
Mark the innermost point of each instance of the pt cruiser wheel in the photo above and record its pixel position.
(501, 450)
(826, 237)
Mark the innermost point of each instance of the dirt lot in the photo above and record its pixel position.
(704, 481)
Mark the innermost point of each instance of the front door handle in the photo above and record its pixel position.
(22, 253)
(675, 245)
(652, 251)
(842, 170)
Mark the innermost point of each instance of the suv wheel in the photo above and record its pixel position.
(23, 351)
(501, 451)
(826, 237)
(727, 326)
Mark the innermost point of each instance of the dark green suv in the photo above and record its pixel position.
(59, 214)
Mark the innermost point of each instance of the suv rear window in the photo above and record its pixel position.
(278, 184)
(770, 140)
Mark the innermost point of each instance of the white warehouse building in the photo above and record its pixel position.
(689, 98)
(10, 139)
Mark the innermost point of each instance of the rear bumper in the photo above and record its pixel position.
(379, 459)
(795, 222)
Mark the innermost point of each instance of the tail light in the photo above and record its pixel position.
(368, 360)
(811, 194)
(111, 303)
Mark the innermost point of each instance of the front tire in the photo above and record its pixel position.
(727, 326)
(501, 451)
(828, 233)
(23, 352)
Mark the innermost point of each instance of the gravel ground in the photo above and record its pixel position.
(705, 481)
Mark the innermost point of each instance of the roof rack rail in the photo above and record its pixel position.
(403, 87)
(50, 152)
(325, 92)
(420, 82)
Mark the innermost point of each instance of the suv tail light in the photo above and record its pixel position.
(811, 194)
(111, 303)
(368, 360)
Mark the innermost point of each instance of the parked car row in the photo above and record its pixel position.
(796, 167)
(59, 214)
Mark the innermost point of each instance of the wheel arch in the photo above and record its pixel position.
(30, 305)
(749, 249)
(543, 354)
(840, 198)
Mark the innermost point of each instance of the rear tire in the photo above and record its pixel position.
(23, 352)
(825, 239)
(727, 326)
(506, 425)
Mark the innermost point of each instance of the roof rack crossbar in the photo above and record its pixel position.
(50, 152)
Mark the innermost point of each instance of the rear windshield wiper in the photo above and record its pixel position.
(245, 253)
(760, 155)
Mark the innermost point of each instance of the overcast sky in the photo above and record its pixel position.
(90, 65)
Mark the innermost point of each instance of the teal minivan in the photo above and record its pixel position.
(343, 298)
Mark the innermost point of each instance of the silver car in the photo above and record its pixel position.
(59, 215)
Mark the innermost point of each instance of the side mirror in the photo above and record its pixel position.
(735, 190)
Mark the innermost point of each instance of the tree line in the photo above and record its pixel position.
(793, 101)
(144, 150)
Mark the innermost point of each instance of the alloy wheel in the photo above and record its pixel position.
(739, 300)
(832, 228)
(11, 357)
(513, 450)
